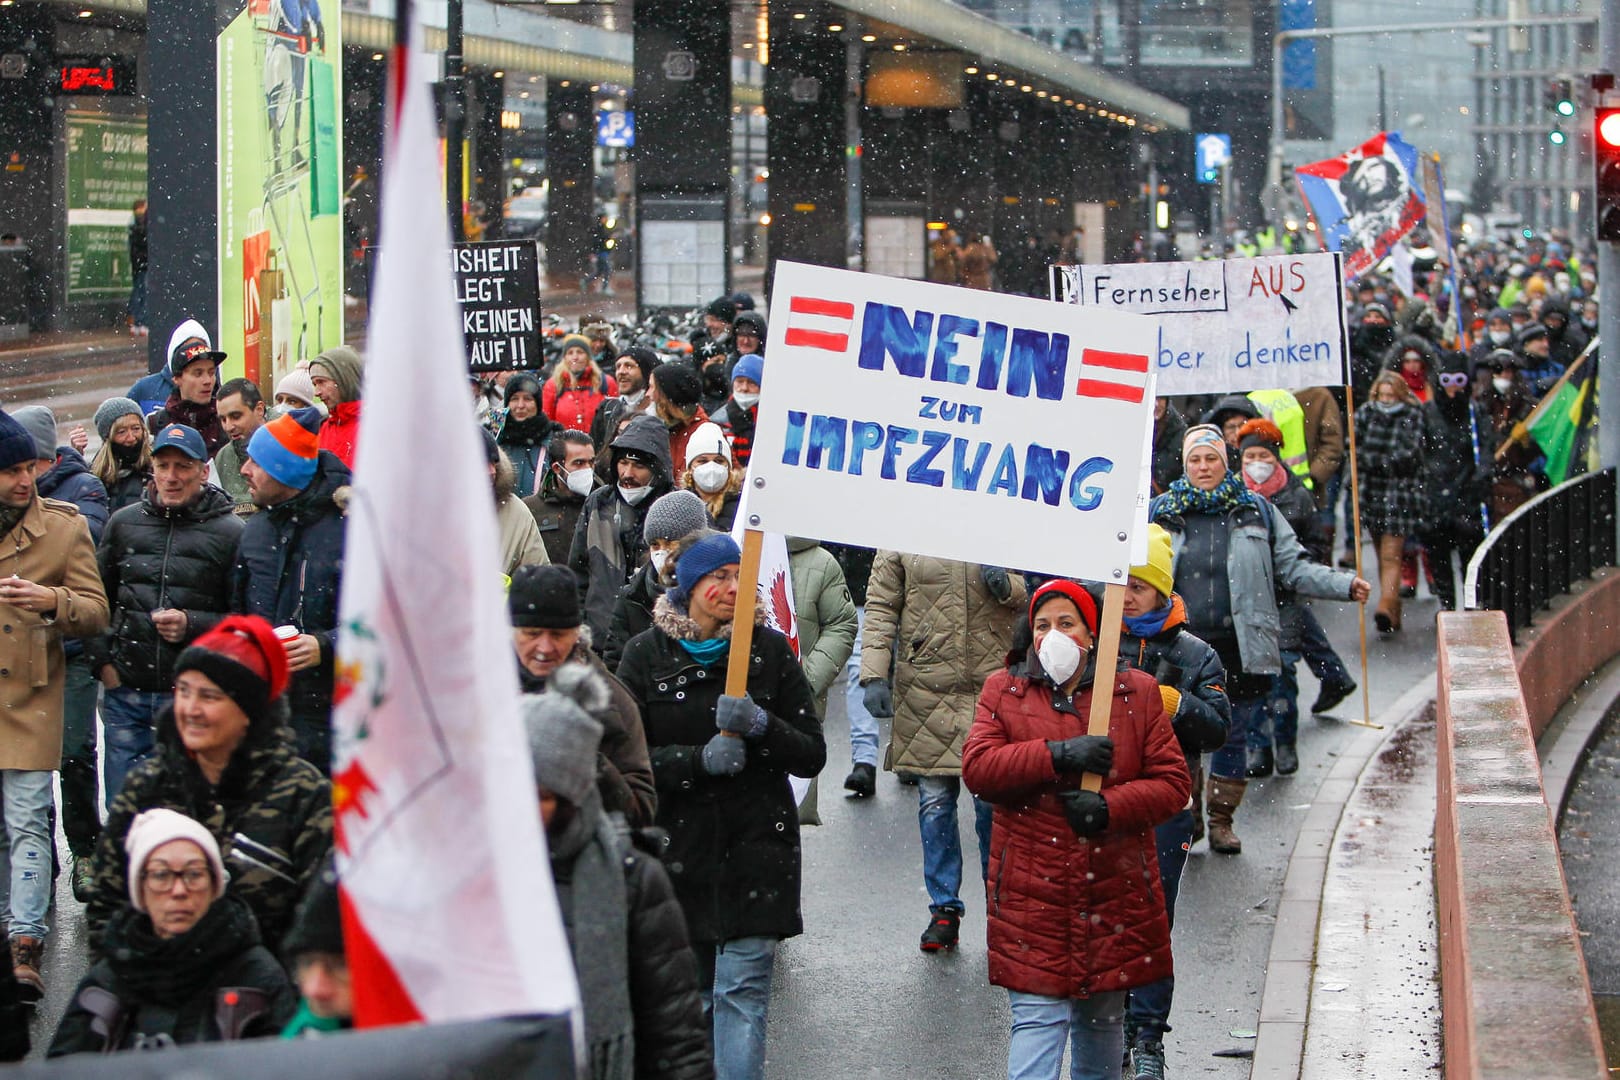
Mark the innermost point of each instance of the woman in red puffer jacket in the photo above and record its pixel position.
(1076, 910)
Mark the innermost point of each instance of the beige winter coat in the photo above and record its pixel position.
(50, 546)
(946, 635)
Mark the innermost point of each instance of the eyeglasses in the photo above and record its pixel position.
(1453, 380)
(725, 577)
(192, 877)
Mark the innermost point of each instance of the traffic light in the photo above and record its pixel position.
(1559, 97)
(1606, 175)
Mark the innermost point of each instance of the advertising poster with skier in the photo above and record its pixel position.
(1365, 199)
(280, 185)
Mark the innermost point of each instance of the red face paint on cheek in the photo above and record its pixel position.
(712, 594)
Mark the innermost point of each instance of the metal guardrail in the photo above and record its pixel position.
(1541, 549)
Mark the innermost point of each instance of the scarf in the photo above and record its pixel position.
(306, 1024)
(531, 432)
(706, 652)
(126, 456)
(587, 863)
(1183, 499)
(1146, 626)
(203, 418)
(1417, 382)
(11, 517)
(171, 971)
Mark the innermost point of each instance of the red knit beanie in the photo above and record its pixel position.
(245, 658)
(1074, 591)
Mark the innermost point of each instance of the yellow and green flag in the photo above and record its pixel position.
(1559, 424)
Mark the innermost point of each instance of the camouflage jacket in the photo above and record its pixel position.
(271, 813)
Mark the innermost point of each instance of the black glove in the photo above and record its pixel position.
(996, 582)
(1087, 812)
(724, 755)
(878, 697)
(1083, 754)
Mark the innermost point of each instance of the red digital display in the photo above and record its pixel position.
(81, 80)
(95, 75)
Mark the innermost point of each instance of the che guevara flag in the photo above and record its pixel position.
(1365, 199)
(449, 912)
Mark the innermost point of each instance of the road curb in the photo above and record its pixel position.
(1279, 1049)
(1574, 730)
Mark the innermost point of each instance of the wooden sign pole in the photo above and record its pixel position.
(1361, 605)
(1102, 683)
(742, 622)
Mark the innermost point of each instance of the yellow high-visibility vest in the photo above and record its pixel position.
(1283, 409)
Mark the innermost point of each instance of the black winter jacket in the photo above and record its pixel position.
(1456, 467)
(632, 613)
(153, 993)
(1178, 658)
(733, 851)
(155, 557)
(271, 813)
(289, 566)
(608, 542)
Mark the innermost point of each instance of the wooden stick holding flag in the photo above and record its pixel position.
(1521, 432)
(742, 621)
(1109, 625)
(1361, 605)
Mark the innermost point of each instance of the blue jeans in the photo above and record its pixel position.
(137, 297)
(1093, 1027)
(129, 718)
(1148, 1008)
(942, 843)
(27, 847)
(1279, 720)
(1230, 761)
(81, 820)
(863, 726)
(1318, 652)
(736, 981)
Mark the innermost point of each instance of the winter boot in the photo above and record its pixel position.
(1224, 797)
(1197, 802)
(941, 934)
(1388, 615)
(1287, 759)
(1331, 694)
(861, 781)
(1259, 762)
(1147, 1059)
(25, 963)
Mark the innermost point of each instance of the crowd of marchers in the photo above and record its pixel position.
(178, 593)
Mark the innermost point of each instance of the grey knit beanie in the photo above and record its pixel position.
(673, 516)
(563, 736)
(40, 422)
(110, 411)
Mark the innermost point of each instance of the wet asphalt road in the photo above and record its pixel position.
(1591, 849)
(855, 998)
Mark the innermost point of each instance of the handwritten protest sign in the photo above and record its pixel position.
(498, 289)
(948, 422)
(1227, 325)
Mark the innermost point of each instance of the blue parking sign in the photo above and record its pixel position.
(616, 128)
(1213, 152)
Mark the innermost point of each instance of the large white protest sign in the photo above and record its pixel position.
(942, 421)
(1227, 325)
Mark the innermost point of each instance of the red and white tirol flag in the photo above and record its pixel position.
(449, 912)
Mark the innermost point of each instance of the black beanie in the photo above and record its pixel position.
(679, 384)
(544, 597)
(525, 383)
(16, 445)
(723, 308)
(317, 925)
(644, 357)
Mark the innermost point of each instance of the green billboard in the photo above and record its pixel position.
(280, 172)
(106, 174)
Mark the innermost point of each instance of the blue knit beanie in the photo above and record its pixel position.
(750, 367)
(16, 445)
(700, 560)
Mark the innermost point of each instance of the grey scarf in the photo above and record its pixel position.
(587, 862)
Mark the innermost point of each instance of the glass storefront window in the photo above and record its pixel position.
(1213, 33)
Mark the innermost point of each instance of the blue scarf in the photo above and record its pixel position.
(1183, 499)
(1145, 626)
(706, 652)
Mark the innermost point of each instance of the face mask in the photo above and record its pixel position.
(635, 399)
(1386, 406)
(580, 481)
(1259, 471)
(1502, 385)
(658, 559)
(1501, 337)
(126, 455)
(633, 496)
(1060, 657)
(747, 401)
(711, 476)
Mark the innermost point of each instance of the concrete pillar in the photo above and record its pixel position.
(805, 103)
(683, 151)
(571, 206)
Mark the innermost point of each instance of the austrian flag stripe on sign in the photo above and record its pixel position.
(819, 324)
(1116, 375)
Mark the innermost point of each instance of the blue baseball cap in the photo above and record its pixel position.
(182, 438)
